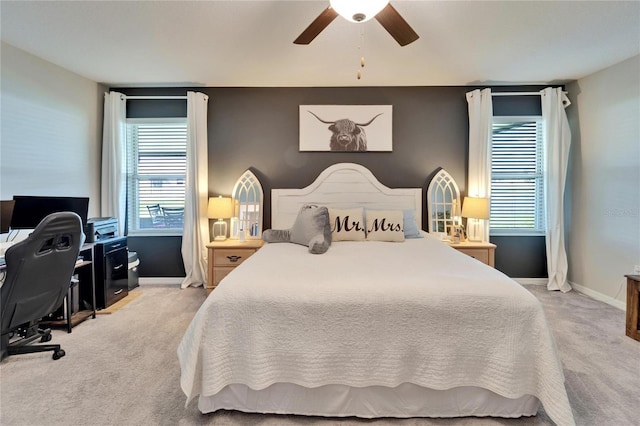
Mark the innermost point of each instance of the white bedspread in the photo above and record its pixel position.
(373, 313)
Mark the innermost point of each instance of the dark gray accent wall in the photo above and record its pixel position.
(257, 128)
(521, 257)
(160, 256)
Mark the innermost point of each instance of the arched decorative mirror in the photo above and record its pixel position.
(247, 201)
(443, 203)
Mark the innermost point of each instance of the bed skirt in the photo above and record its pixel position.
(404, 401)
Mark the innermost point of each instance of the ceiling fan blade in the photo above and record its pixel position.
(395, 24)
(316, 27)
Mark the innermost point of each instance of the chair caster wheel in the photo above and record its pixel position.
(58, 354)
(45, 338)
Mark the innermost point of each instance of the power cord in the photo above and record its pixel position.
(15, 233)
(622, 283)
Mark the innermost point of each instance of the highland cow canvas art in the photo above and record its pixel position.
(346, 128)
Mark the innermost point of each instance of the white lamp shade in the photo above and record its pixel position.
(220, 208)
(475, 208)
(358, 10)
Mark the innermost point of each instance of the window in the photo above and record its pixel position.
(517, 184)
(156, 172)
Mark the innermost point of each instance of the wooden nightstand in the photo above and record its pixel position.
(484, 252)
(223, 256)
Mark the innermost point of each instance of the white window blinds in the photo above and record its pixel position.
(156, 165)
(517, 184)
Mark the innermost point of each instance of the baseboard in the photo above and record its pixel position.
(531, 281)
(599, 296)
(160, 280)
(522, 281)
(580, 289)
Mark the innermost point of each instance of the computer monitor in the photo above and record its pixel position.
(28, 210)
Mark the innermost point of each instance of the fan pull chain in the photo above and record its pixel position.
(360, 50)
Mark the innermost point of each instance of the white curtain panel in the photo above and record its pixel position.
(195, 234)
(114, 173)
(557, 140)
(480, 128)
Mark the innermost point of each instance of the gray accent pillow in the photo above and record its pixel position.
(310, 229)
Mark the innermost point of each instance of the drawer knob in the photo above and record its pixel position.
(234, 259)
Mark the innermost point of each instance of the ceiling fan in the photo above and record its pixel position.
(361, 11)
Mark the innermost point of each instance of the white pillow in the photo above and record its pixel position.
(347, 224)
(385, 225)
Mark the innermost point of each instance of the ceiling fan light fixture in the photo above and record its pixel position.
(358, 10)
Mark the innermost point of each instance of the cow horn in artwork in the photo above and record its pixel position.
(325, 122)
(370, 121)
(357, 124)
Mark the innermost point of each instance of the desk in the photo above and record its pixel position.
(633, 306)
(86, 294)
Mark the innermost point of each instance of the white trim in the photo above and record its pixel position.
(580, 289)
(599, 296)
(160, 281)
(531, 281)
(154, 232)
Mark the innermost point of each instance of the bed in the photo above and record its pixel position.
(370, 328)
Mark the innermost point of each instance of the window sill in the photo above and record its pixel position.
(156, 233)
(517, 234)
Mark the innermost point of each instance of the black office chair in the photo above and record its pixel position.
(38, 275)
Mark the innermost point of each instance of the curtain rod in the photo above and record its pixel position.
(519, 93)
(184, 97)
(155, 97)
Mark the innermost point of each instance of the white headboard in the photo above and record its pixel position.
(342, 185)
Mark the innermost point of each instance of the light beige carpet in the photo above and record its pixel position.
(123, 370)
(131, 296)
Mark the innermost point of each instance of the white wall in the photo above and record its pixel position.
(604, 222)
(51, 130)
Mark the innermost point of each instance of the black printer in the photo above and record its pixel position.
(100, 228)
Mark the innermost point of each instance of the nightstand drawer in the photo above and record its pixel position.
(483, 251)
(219, 272)
(481, 254)
(231, 257)
(226, 255)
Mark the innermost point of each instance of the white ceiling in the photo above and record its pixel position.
(249, 43)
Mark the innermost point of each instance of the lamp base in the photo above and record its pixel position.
(219, 230)
(473, 236)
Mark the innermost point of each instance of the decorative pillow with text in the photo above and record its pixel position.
(347, 224)
(385, 225)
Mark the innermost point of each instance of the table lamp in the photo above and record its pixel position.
(220, 208)
(475, 209)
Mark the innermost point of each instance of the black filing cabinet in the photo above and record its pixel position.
(111, 269)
